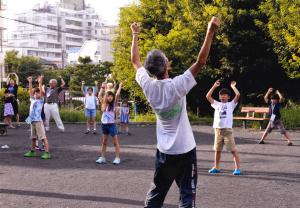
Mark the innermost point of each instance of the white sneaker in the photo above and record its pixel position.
(101, 160)
(117, 161)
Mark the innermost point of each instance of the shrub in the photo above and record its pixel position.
(68, 115)
(291, 117)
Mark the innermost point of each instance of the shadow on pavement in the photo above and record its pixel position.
(74, 197)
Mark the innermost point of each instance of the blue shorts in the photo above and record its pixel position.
(90, 113)
(109, 129)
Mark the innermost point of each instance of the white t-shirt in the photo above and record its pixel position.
(90, 101)
(167, 98)
(223, 117)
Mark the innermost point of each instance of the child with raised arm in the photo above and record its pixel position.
(275, 116)
(176, 147)
(90, 106)
(108, 124)
(124, 117)
(223, 121)
(35, 119)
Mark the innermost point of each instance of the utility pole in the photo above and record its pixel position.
(2, 28)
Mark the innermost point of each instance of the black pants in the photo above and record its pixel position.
(181, 168)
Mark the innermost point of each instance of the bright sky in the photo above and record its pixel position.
(107, 9)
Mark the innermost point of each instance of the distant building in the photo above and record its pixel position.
(68, 25)
(99, 49)
(76, 5)
(2, 41)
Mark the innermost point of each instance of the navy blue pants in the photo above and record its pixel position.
(181, 168)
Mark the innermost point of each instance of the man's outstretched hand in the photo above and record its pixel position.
(214, 24)
(135, 28)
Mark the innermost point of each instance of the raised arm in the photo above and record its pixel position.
(266, 97)
(236, 91)
(30, 86)
(62, 82)
(118, 93)
(7, 81)
(102, 92)
(281, 98)
(213, 25)
(40, 81)
(103, 102)
(135, 54)
(82, 87)
(211, 91)
(96, 87)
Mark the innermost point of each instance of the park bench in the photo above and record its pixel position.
(253, 114)
(3, 129)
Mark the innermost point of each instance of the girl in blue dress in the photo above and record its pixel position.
(124, 117)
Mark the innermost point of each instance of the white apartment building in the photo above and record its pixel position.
(99, 49)
(67, 25)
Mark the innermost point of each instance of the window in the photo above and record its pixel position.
(37, 18)
(89, 24)
(52, 27)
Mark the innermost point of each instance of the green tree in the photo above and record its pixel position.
(84, 60)
(241, 49)
(24, 66)
(283, 26)
(86, 72)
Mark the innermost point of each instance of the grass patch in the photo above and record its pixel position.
(75, 116)
(291, 117)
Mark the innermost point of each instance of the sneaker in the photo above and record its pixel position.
(290, 144)
(128, 134)
(37, 148)
(87, 131)
(237, 172)
(101, 160)
(46, 156)
(30, 154)
(261, 142)
(117, 161)
(214, 170)
(94, 131)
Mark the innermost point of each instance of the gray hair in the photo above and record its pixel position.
(53, 80)
(156, 62)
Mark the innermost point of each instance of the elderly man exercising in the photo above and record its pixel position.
(51, 104)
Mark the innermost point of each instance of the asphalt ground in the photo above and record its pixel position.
(72, 179)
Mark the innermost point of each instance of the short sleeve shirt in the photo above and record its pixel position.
(36, 106)
(52, 95)
(168, 100)
(275, 110)
(223, 116)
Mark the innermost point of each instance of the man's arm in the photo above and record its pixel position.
(281, 98)
(62, 82)
(30, 86)
(211, 91)
(213, 25)
(266, 97)
(236, 91)
(135, 54)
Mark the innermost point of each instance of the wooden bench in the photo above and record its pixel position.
(253, 114)
(3, 129)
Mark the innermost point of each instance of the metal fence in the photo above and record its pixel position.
(74, 101)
